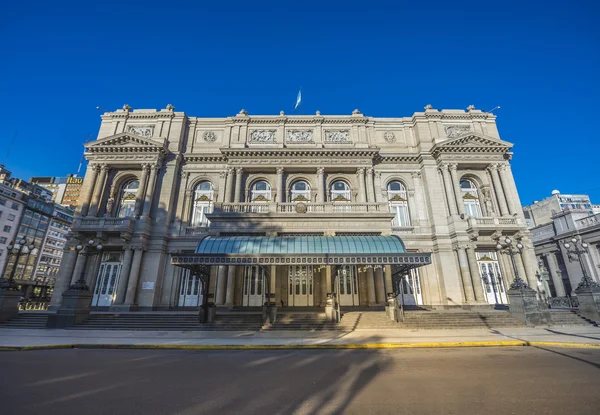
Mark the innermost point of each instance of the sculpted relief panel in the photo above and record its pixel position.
(262, 136)
(457, 130)
(337, 136)
(300, 136)
(146, 131)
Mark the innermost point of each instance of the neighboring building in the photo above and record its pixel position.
(31, 189)
(596, 209)
(168, 198)
(11, 210)
(540, 212)
(548, 239)
(65, 190)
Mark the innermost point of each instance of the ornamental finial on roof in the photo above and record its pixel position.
(471, 108)
(281, 113)
(428, 107)
(356, 112)
(170, 107)
(243, 112)
(126, 108)
(318, 113)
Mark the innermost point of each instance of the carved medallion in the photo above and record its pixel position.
(301, 207)
(300, 136)
(146, 131)
(457, 130)
(209, 136)
(389, 136)
(262, 136)
(337, 136)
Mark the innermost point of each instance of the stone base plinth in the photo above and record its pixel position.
(525, 307)
(208, 316)
(9, 304)
(589, 303)
(74, 309)
(390, 309)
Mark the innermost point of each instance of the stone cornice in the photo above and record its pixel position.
(127, 143)
(471, 143)
(271, 153)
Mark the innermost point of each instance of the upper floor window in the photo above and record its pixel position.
(300, 192)
(260, 191)
(470, 197)
(340, 191)
(127, 201)
(203, 198)
(398, 203)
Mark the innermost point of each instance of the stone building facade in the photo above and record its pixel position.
(159, 181)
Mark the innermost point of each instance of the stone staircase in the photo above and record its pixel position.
(366, 320)
(27, 320)
(433, 320)
(569, 318)
(295, 321)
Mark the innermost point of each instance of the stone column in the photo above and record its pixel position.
(371, 286)
(512, 206)
(67, 267)
(388, 279)
(420, 203)
(98, 189)
(362, 191)
(521, 271)
(475, 277)
(463, 263)
(555, 274)
(380, 287)
(280, 188)
(324, 286)
(230, 284)
(498, 189)
(139, 197)
(124, 277)
(238, 185)
(134, 275)
(529, 266)
(154, 170)
(328, 279)
(448, 189)
(87, 197)
(79, 265)
(273, 285)
(221, 283)
(371, 184)
(321, 185)
(456, 185)
(229, 185)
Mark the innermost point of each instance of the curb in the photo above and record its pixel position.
(427, 345)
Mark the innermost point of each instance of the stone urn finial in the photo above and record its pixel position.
(126, 108)
(471, 108)
(318, 113)
(170, 107)
(356, 112)
(428, 107)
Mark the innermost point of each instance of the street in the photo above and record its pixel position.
(519, 380)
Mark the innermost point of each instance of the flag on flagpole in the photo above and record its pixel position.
(298, 99)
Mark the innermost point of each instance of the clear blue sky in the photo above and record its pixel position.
(538, 61)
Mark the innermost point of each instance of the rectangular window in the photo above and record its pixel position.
(2, 202)
(15, 206)
(7, 228)
(3, 240)
(11, 218)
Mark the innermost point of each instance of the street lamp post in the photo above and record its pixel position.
(575, 249)
(507, 248)
(80, 284)
(21, 247)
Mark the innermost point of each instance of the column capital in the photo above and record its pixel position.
(104, 167)
(442, 167)
(145, 167)
(460, 246)
(223, 174)
(452, 167)
(416, 174)
(239, 171)
(279, 170)
(370, 170)
(360, 171)
(492, 167)
(94, 166)
(230, 170)
(320, 170)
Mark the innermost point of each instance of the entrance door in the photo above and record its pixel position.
(254, 286)
(106, 284)
(347, 284)
(491, 278)
(410, 289)
(300, 280)
(190, 292)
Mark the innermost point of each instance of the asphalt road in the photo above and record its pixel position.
(524, 380)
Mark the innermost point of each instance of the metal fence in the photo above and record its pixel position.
(562, 302)
(40, 304)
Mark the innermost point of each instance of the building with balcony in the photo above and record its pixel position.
(541, 212)
(11, 209)
(243, 210)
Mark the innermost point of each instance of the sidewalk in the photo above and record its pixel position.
(557, 336)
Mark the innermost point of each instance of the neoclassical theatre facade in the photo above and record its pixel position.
(161, 184)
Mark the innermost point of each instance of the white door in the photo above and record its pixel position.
(301, 285)
(347, 285)
(491, 278)
(106, 284)
(410, 290)
(254, 286)
(190, 292)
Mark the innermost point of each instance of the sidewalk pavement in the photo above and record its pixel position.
(29, 339)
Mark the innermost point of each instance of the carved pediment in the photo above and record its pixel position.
(397, 198)
(260, 198)
(340, 198)
(472, 143)
(300, 198)
(127, 142)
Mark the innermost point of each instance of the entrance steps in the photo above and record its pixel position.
(568, 317)
(27, 320)
(296, 321)
(433, 320)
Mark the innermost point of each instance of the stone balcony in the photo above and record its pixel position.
(588, 222)
(542, 232)
(330, 207)
(484, 224)
(93, 224)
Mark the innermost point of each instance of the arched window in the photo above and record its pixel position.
(340, 191)
(300, 192)
(470, 197)
(203, 204)
(398, 203)
(127, 200)
(260, 191)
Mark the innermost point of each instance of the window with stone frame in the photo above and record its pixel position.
(127, 199)
(340, 191)
(300, 191)
(398, 202)
(260, 191)
(203, 203)
(470, 197)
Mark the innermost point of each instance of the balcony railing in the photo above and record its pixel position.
(542, 232)
(588, 221)
(475, 221)
(103, 224)
(302, 207)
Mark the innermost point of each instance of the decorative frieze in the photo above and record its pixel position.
(146, 131)
(300, 136)
(337, 136)
(209, 136)
(262, 136)
(453, 131)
